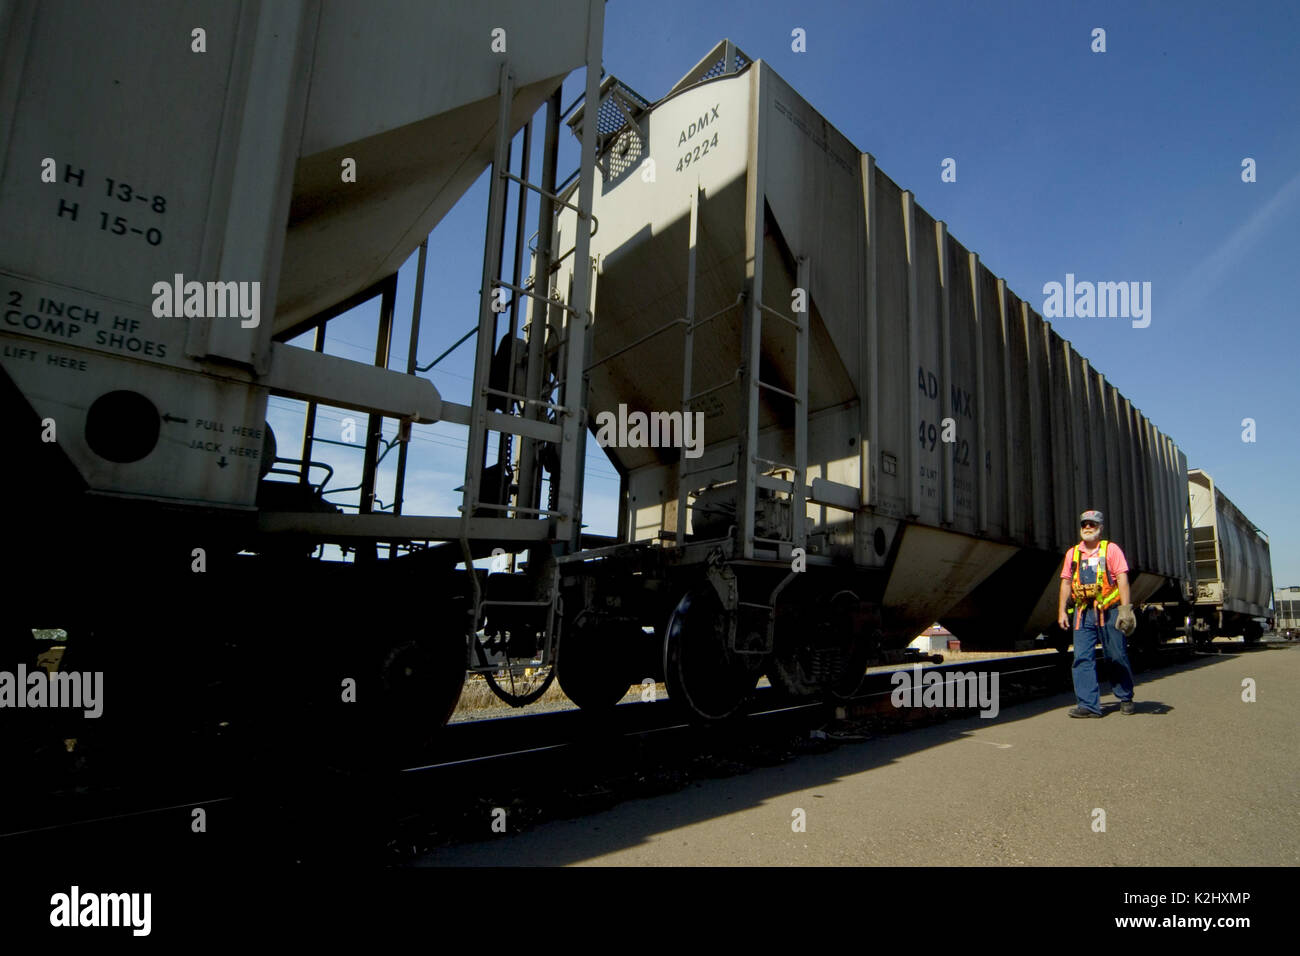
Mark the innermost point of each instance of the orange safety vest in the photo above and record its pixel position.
(1104, 593)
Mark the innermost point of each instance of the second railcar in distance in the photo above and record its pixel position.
(890, 435)
(1234, 578)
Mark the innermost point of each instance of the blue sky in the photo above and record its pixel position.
(1122, 165)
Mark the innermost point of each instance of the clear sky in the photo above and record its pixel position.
(1117, 166)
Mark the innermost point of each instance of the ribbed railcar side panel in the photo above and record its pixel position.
(962, 455)
(993, 469)
(1060, 449)
(928, 369)
(1075, 465)
(1129, 473)
(1166, 507)
(1024, 392)
(1117, 503)
(1011, 383)
(1173, 485)
(1032, 392)
(895, 376)
(1164, 529)
(1151, 497)
(1096, 441)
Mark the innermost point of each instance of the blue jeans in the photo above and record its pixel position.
(1086, 688)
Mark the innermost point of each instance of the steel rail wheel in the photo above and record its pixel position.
(394, 701)
(421, 682)
(822, 650)
(592, 672)
(859, 634)
(702, 673)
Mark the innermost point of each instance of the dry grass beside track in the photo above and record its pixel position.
(477, 697)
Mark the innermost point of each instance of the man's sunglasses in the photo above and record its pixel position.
(1088, 524)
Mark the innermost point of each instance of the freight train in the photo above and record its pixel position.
(832, 424)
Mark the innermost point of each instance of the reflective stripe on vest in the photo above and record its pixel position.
(1104, 594)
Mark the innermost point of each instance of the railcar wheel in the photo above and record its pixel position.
(369, 710)
(829, 657)
(788, 675)
(702, 673)
(849, 617)
(592, 672)
(421, 682)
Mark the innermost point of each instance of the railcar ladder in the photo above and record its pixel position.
(747, 374)
(569, 429)
(751, 478)
(482, 421)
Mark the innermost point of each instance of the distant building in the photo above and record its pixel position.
(934, 640)
(1286, 609)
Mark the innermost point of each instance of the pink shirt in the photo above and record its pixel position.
(1116, 563)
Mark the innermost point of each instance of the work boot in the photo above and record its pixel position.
(1080, 712)
(1126, 707)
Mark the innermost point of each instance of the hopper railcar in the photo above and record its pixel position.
(1232, 572)
(184, 192)
(891, 436)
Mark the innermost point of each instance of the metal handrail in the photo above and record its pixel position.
(731, 381)
(519, 398)
(519, 509)
(773, 388)
(740, 298)
(298, 474)
(388, 446)
(781, 315)
(502, 283)
(459, 342)
(505, 174)
(334, 441)
(642, 339)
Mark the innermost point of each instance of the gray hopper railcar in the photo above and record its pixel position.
(1230, 567)
(184, 190)
(890, 436)
(1234, 576)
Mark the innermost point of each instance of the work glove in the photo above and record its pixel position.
(1127, 620)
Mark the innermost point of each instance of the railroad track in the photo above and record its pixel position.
(516, 772)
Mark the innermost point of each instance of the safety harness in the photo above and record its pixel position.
(1103, 594)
